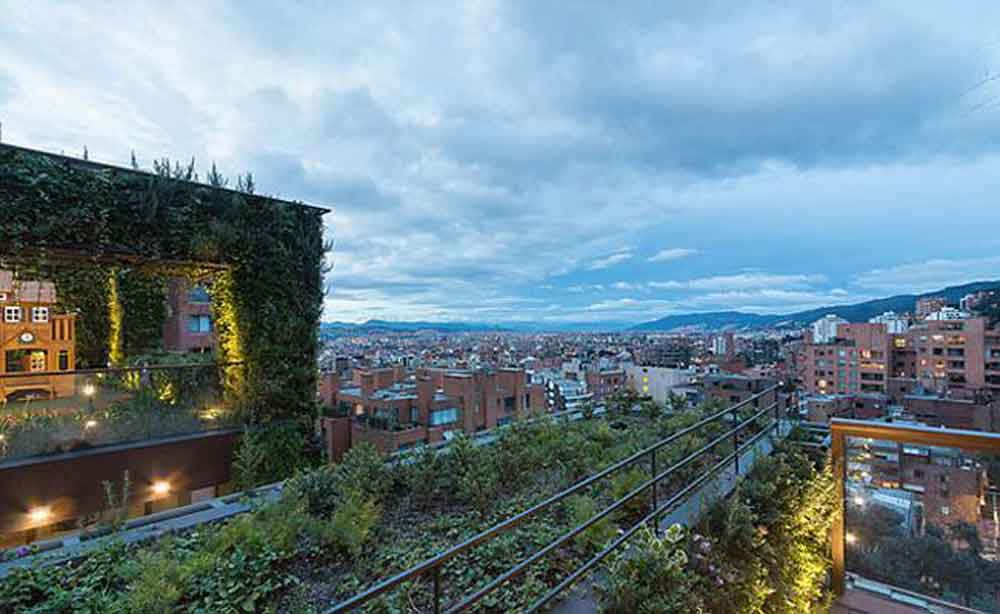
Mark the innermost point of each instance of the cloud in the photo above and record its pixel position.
(741, 281)
(666, 255)
(610, 261)
(508, 150)
(930, 275)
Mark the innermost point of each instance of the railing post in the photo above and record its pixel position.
(437, 589)
(838, 465)
(653, 466)
(736, 451)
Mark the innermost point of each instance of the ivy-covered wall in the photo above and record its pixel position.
(103, 231)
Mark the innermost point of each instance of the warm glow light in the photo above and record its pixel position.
(89, 424)
(161, 488)
(851, 538)
(89, 390)
(39, 515)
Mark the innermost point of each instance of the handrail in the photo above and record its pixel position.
(435, 563)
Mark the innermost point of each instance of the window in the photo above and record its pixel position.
(199, 324)
(11, 314)
(444, 416)
(198, 294)
(63, 360)
(39, 314)
(3, 297)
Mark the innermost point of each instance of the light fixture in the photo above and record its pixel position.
(850, 538)
(89, 390)
(161, 488)
(89, 424)
(40, 514)
(859, 500)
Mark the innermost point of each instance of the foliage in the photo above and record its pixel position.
(623, 484)
(423, 475)
(475, 472)
(653, 578)
(267, 300)
(595, 537)
(324, 540)
(762, 550)
(267, 454)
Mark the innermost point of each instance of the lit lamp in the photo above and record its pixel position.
(850, 538)
(859, 500)
(39, 515)
(161, 488)
(89, 391)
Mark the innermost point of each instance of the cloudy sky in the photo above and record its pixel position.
(554, 161)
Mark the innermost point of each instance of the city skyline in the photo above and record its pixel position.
(502, 162)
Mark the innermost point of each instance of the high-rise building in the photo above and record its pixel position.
(824, 330)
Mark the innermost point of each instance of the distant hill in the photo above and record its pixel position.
(860, 312)
(384, 326)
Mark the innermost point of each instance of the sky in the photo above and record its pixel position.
(556, 162)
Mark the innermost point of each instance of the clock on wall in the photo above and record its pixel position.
(26, 337)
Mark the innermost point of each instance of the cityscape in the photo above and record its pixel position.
(519, 308)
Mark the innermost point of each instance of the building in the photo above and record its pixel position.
(730, 389)
(928, 305)
(824, 330)
(947, 314)
(34, 339)
(855, 360)
(948, 354)
(605, 382)
(656, 382)
(894, 324)
(189, 326)
(395, 410)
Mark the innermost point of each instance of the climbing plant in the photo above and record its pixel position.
(109, 236)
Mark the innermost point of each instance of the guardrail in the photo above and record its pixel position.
(433, 565)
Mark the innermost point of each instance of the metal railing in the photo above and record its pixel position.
(433, 566)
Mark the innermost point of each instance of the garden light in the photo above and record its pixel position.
(40, 514)
(161, 488)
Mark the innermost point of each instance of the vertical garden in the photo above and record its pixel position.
(109, 238)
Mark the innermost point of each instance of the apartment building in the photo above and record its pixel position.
(855, 360)
(395, 409)
(189, 326)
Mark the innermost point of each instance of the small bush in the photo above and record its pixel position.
(363, 470)
(581, 509)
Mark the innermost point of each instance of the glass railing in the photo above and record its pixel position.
(51, 412)
(921, 514)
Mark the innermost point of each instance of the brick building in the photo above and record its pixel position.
(395, 410)
(189, 326)
(34, 339)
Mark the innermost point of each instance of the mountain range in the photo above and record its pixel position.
(858, 312)
(707, 321)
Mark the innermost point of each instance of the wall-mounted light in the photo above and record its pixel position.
(161, 488)
(40, 514)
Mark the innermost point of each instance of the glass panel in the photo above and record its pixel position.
(923, 519)
(46, 414)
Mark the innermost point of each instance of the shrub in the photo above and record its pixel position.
(316, 489)
(624, 483)
(475, 473)
(363, 470)
(651, 578)
(581, 509)
(423, 475)
(352, 523)
(268, 454)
